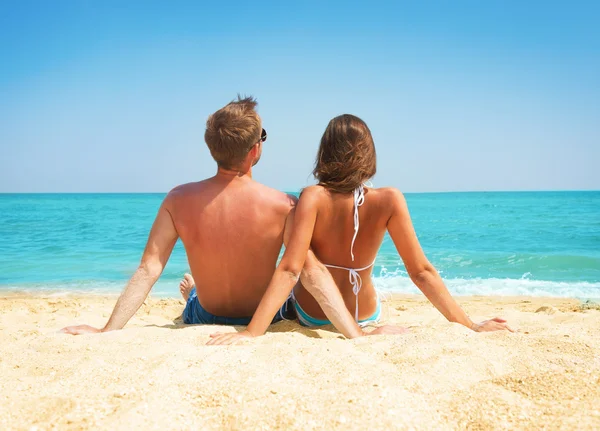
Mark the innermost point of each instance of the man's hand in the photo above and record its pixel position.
(219, 338)
(495, 324)
(80, 329)
(388, 330)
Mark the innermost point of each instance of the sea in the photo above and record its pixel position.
(496, 243)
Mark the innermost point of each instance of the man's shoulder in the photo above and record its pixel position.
(187, 188)
(181, 193)
(277, 197)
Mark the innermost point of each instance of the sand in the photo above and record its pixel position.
(158, 373)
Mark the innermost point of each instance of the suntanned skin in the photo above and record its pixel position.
(237, 252)
(324, 223)
(232, 229)
(331, 242)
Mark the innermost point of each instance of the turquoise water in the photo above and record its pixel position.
(538, 243)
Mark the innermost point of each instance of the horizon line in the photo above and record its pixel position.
(291, 191)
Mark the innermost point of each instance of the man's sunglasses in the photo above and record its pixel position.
(263, 135)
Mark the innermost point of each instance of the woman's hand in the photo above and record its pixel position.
(495, 324)
(220, 338)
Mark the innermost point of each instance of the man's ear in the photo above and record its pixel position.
(253, 153)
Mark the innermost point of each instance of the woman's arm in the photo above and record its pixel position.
(287, 273)
(317, 280)
(422, 272)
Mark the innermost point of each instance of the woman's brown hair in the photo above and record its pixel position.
(346, 156)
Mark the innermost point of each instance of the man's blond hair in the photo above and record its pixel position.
(232, 131)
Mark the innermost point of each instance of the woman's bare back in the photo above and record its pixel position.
(332, 240)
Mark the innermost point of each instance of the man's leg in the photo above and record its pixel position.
(193, 313)
(186, 285)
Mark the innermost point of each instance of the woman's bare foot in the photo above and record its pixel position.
(186, 285)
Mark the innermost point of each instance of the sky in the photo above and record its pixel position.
(113, 96)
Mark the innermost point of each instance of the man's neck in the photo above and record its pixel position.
(232, 173)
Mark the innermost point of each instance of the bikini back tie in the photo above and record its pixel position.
(353, 273)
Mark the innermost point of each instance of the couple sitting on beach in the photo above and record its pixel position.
(233, 229)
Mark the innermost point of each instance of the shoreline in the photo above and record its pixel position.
(41, 293)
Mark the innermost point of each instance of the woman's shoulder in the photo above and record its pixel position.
(318, 192)
(388, 193)
(313, 192)
(389, 198)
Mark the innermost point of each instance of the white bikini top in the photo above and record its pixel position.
(353, 273)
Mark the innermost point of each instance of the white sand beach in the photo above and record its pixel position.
(158, 373)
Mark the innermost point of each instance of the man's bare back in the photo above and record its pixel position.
(232, 230)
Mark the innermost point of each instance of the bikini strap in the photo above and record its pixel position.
(355, 280)
(353, 275)
(350, 269)
(359, 199)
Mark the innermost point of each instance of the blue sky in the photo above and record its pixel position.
(112, 96)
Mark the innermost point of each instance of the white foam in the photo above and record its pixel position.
(497, 287)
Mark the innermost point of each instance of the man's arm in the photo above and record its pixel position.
(161, 241)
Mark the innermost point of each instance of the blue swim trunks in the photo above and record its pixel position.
(194, 314)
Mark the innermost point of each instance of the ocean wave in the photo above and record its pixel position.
(497, 287)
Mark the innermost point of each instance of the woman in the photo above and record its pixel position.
(344, 222)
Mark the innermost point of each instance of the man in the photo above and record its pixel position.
(232, 229)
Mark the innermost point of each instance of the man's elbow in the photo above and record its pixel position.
(151, 270)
